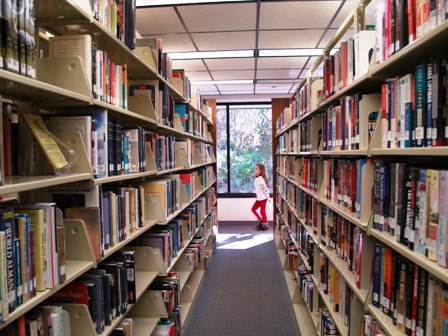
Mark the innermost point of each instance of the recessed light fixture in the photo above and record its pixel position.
(290, 52)
(211, 54)
(222, 82)
(149, 3)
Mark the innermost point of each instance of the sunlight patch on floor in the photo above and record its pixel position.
(235, 241)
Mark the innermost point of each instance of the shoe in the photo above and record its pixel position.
(262, 228)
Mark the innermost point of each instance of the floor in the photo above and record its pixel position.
(244, 291)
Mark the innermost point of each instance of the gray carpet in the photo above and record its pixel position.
(244, 291)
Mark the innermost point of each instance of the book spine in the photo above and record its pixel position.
(423, 304)
(376, 287)
(419, 119)
(10, 257)
(429, 104)
(18, 271)
(442, 231)
(410, 275)
(414, 301)
(431, 242)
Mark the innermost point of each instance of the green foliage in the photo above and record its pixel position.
(250, 143)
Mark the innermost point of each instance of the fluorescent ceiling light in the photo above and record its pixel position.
(144, 3)
(222, 82)
(290, 52)
(211, 54)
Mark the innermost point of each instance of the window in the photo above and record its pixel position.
(244, 138)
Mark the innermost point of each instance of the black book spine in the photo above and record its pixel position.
(411, 193)
(405, 210)
(94, 69)
(410, 269)
(422, 300)
(111, 155)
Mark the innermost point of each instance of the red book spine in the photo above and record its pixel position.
(21, 326)
(389, 27)
(112, 82)
(411, 20)
(353, 187)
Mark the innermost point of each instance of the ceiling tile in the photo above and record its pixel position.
(236, 89)
(277, 74)
(176, 42)
(274, 86)
(151, 21)
(284, 62)
(306, 38)
(224, 17)
(206, 89)
(272, 91)
(225, 41)
(301, 14)
(198, 75)
(231, 63)
(370, 11)
(190, 65)
(349, 5)
(240, 74)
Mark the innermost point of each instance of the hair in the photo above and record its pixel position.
(263, 172)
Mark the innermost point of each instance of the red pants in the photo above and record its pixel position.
(262, 206)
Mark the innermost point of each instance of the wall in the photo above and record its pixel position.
(238, 209)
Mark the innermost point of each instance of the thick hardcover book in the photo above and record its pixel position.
(420, 113)
(387, 284)
(130, 271)
(376, 287)
(98, 301)
(422, 302)
(6, 225)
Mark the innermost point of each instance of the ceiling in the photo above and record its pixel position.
(255, 25)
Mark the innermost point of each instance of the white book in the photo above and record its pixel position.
(134, 159)
(364, 44)
(82, 124)
(443, 207)
(379, 13)
(74, 45)
(57, 320)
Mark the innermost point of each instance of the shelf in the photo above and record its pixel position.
(124, 177)
(304, 261)
(143, 279)
(148, 224)
(74, 269)
(413, 151)
(14, 85)
(309, 153)
(310, 114)
(353, 152)
(344, 212)
(170, 171)
(145, 326)
(200, 165)
(182, 134)
(288, 153)
(293, 123)
(124, 115)
(194, 109)
(309, 192)
(309, 229)
(183, 275)
(337, 318)
(288, 179)
(364, 83)
(424, 49)
(348, 276)
(306, 320)
(385, 321)
(190, 291)
(16, 184)
(430, 266)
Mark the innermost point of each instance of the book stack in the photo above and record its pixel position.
(169, 287)
(46, 319)
(32, 253)
(181, 83)
(106, 291)
(125, 328)
(400, 24)
(307, 98)
(341, 125)
(368, 326)
(283, 119)
(110, 213)
(306, 285)
(343, 183)
(107, 80)
(164, 150)
(305, 136)
(345, 239)
(413, 298)
(349, 63)
(18, 52)
(413, 108)
(307, 245)
(192, 121)
(118, 17)
(334, 285)
(309, 173)
(167, 190)
(327, 325)
(289, 141)
(413, 208)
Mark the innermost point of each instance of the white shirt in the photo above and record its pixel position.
(261, 189)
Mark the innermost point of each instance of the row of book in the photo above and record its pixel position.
(370, 327)
(334, 285)
(415, 300)
(307, 98)
(107, 79)
(306, 286)
(413, 112)
(192, 121)
(287, 165)
(106, 291)
(309, 173)
(327, 324)
(305, 142)
(32, 253)
(345, 239)
(349, 63)
(402, 23)
(283, 119)
(17, 37)
(341, 128)
(343, 183)
(288, 142)
(410, 204)
(118, 17)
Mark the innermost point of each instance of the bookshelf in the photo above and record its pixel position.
(296, 232)
(61, 86)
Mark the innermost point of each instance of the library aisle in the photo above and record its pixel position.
(242, 293)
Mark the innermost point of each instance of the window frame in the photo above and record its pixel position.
(228, 106)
